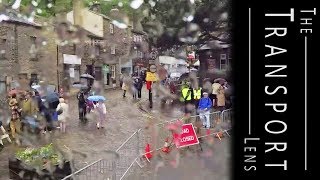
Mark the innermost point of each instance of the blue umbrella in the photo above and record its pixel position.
(96, 98)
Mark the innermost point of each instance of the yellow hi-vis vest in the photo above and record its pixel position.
(185, 94)
(197, 94)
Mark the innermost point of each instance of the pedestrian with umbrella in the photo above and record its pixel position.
(50, 113)
(100, 107)
(81, 105)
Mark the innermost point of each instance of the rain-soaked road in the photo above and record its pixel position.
(123, 118)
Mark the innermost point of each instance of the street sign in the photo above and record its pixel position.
(187, 137)
(151, 76)
(153, 55)
(153, 68)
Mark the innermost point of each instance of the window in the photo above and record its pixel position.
(223, 61)
(223, 56)
(111, 27)
(113, 71)
(3, 54)
(34, 78)
(97, 49)
(3, 48)
(140, 54)
(113, 49)
(98, 73)
(3, 87)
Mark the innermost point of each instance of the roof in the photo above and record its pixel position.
(72, 27)
(105, 17)
(12, 17)
(138, 32)
(215, 44)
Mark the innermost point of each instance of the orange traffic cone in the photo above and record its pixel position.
(219, 135)
(148, 155)
(166, 148)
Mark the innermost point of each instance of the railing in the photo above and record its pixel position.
(132, 149)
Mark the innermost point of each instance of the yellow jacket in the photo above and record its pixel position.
(186, 93)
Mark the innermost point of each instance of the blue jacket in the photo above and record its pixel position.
(205, 103)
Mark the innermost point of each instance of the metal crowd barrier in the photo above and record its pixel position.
(132, 149)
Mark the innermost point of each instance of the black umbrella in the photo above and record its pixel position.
(52, 97)
(86, 76)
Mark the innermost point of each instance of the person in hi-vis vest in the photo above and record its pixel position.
(197, 93)
(187, 94)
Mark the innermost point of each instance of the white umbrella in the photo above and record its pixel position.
(87, 76)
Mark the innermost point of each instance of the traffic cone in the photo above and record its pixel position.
(148, 155)
(219, 135)
(166, 148)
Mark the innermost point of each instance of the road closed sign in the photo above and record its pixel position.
(187, 137)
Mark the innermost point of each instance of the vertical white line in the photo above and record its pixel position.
(249, 71)
(305, 102)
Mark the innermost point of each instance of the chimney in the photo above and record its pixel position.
(96, 7)
(77, 12)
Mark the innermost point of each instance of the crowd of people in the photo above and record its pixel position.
(205, 100)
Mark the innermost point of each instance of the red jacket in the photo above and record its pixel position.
(149, 85)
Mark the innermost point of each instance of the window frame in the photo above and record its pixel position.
(113, 71)
(113, 50)
(111, 28)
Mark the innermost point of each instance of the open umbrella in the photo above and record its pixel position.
(86, 76)
(96, 98)
(36, 87)
(52, 97)
(220, 80)
(79, 86)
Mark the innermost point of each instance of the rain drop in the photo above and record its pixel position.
(44, 43)
(34, 3)
(3, 17)
(2, 52)
(39, 11)
(49, 5)
(16, 4)
(120, 4)
(206, 20)
(135, 4)
(152, 3)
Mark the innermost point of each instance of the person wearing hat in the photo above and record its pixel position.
(15, 123)
(205, 104)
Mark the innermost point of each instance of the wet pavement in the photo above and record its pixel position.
(88, 144)
(86, 141)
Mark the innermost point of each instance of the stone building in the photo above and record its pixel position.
(109, 46)
(139, 53)
(26, 54)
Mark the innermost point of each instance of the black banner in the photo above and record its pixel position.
(274, 68)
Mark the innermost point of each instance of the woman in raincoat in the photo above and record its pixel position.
(221, 100)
